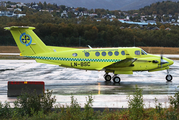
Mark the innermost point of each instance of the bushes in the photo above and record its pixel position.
(136, 106)
(5, 112)
(74, 111)
(31, 102)
(173, 112)
(27, 104)
(32, 106)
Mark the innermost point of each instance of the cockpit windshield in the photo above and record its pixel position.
(143, 52)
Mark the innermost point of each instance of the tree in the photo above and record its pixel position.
(162, 27)
(45, 5)
(63, 7)
(40, 5)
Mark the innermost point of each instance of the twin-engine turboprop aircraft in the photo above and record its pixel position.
(116, 60)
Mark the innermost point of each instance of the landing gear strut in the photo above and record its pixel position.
(115, 78)
(168, 77)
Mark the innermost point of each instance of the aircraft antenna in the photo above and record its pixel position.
(89, 46)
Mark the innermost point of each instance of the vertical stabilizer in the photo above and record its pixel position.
(27, 41)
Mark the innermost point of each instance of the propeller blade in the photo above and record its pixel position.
(161, 59)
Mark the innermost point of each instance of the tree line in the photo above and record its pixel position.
(86, 31)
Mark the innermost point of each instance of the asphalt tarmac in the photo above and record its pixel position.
(66, 82)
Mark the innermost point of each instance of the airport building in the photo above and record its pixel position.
(137, 23)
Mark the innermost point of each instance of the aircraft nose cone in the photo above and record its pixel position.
(170, 61)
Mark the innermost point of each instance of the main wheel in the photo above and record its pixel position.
(107, 77)
(169, 77)
(116, 79)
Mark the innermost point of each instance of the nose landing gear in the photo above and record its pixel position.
(168, 77)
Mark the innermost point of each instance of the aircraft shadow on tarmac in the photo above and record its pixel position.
(137, 83)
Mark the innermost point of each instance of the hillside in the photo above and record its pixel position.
(106, 4)
(161, 8)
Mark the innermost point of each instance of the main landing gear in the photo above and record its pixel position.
(115, 78)
(168, 77)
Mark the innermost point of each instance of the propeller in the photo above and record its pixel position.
(161, 59)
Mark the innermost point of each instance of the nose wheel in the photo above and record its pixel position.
(168, 77)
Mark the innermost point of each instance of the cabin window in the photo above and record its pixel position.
(87, 54)
(137, 52)
(123, 52)
(103, 53)
(97, 54)
(110, 53)
(74, 54)
(116, 53)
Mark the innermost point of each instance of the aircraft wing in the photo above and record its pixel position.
(123, 63)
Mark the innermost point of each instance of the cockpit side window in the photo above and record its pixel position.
(137, 52)
(143, 52)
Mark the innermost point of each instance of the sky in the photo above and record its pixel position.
(94, 4)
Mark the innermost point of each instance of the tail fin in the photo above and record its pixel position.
(27, 41)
